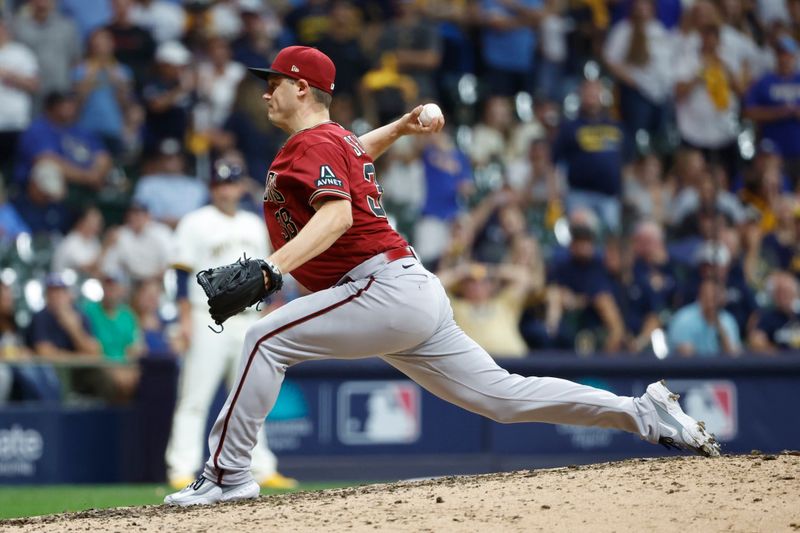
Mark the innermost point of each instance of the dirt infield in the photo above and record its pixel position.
(756, 492)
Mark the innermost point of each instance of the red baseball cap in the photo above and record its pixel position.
(302, 62)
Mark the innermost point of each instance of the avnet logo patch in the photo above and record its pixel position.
(327, 178)
(328, 182)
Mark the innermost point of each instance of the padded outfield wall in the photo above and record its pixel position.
(361, 420)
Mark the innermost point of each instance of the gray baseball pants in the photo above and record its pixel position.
(400, 313)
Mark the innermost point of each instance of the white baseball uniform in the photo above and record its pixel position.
(208, 237)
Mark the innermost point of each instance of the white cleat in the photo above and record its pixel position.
(677, 429)
(203, 491)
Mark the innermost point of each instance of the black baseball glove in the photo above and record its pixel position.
(233, 288)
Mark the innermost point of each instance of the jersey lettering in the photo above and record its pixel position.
(288, 227)
(355, 144)
(374, 203)
(271, 193)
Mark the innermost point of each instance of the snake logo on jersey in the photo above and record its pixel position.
(322, 163)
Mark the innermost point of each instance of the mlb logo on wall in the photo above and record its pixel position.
(713, 401)
(378, 412)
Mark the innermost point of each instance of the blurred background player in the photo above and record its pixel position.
(214, 233)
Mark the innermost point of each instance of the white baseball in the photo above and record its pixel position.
(429, 112)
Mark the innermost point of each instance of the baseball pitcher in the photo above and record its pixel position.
(371, 296)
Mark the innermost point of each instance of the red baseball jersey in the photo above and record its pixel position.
(327, 161)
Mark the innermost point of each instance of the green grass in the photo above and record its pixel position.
(34, 500)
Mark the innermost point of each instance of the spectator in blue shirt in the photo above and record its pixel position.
(134, 46)
(255, 44)
(591, 148)
(165, 189)
(509, 43)
(668, 12)
(61, 330)
(497, 224)
(652, 265)
(416, 44)
(780, 248)
(341, 43)
(773, 103)
(79, 154)
(11, 223)
(52, 37)
(21, 382)
(724, 263)
(704, 328)
(579, 283)
(638, 52)
(636, 300)
(41, 203)
(169, 96)
(248, 129)
(155, 328)
(307, 22)
(104, 89)
(88, 15)
(778, 327)
(448, 179)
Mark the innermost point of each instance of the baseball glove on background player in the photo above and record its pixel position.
(233, 288)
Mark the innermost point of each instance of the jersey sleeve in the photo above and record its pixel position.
(185, 254)
(322, 172)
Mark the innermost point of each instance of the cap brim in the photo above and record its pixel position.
(264, 73)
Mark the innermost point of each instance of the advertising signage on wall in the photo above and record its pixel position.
(291, 424)
(355, 411)
(21, 449)
(378, 412)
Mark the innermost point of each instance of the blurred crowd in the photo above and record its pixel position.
(615, 175)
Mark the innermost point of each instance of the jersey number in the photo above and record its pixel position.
(288, 227)
(374, 202)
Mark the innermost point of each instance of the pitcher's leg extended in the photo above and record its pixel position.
(455, 368)
(338, 322)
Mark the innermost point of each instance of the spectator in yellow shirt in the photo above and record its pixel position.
(487, 302)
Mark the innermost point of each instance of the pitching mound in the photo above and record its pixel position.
(735, 493)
